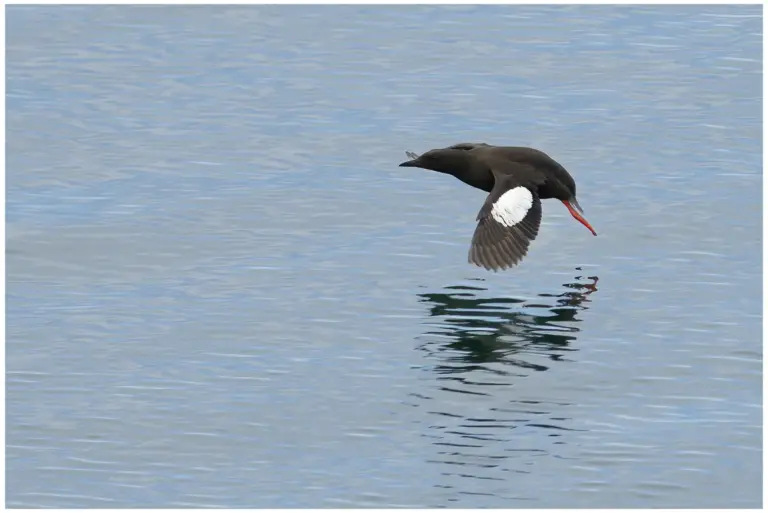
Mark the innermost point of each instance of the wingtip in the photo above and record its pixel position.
(475, 259)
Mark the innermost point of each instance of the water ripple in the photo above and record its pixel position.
(482, 347)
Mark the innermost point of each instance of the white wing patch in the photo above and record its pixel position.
(512, 206)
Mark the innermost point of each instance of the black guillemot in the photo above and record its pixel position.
(516, 179)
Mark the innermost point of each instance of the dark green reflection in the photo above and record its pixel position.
(473, 330)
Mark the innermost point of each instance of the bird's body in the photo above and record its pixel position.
(516, 178)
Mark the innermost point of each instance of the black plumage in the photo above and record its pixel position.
(517, 179)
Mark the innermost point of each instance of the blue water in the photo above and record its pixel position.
(222, 291)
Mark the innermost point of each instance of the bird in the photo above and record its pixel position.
(516, 179)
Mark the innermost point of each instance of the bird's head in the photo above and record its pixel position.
(444, 160)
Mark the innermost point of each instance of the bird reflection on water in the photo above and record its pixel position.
(477, 330)
(482, 428)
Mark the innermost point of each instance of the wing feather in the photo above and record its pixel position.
(507, 223)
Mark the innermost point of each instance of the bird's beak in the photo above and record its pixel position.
(410, 163)
(575, 209)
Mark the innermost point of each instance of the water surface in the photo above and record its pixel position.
(222, 291)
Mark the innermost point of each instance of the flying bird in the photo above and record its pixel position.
(516, 180)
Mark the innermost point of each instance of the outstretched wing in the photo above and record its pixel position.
(507, 223)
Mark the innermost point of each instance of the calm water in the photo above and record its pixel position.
(222, 291)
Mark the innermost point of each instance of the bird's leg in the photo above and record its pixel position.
(572, 206)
